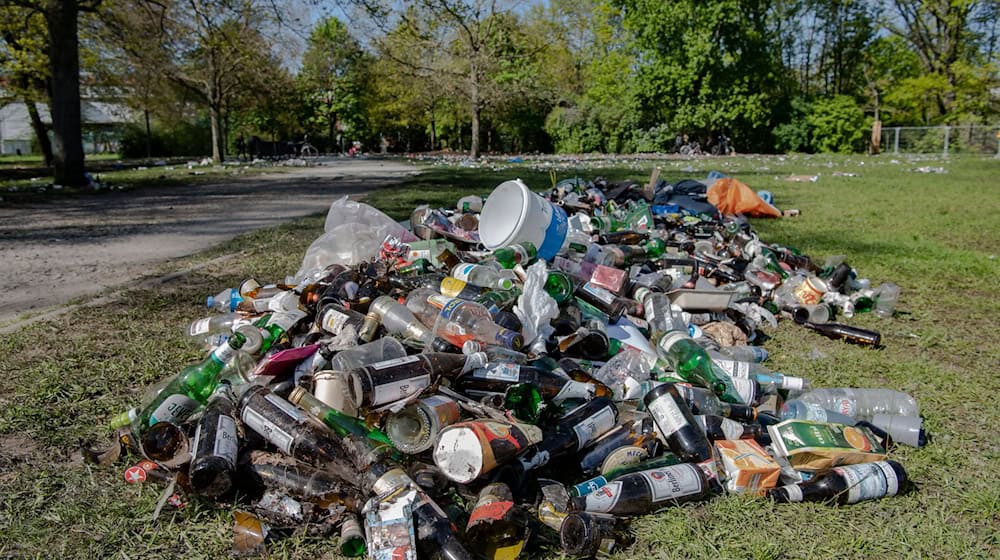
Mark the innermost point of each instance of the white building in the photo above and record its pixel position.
(100, 119)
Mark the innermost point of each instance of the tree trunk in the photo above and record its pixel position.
(41, 134)
(64, 63)
(215, 114)
(475, 109)
(149, 135)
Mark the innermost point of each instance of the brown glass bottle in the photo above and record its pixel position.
(717, 427)
(572, 432)
(216, 445)
(394, 380)
(640, 433)
(622, 238)
(853, 335)
(646, 491)
(677, 425)
(613, 306)
(585, 535)
(497, 377)
(847, 485)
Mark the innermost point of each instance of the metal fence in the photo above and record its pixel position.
(945, 140)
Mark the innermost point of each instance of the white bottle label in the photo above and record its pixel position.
(869, 481)
(226, 444)
(604, 499)
(730, 428)
(594, 426)
(575, 390)
(668, 416)
(734, 368)
(174, 409)
(395, 362)
(199, 327)
(847, 406)
(794, 492)
(815, 412)
(463, 271)
(792, 383)
(399, 390)
(334, 321)
(223, 353)
(746, 389)
(502, 371)
(599, 293)
(268, 430)
(673, 482)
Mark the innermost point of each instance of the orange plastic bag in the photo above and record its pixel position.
(733, 197)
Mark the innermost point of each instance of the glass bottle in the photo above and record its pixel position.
(393, 380)
(574, 431)
(676, 425)
(216, 445)
(646, 491)
(847, 485)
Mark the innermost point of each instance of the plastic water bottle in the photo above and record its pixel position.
(225, 301)
(863, 404)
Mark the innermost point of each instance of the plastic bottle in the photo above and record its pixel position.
(458, 320)
(903, 429)
(482, 275)
(225, 301)
(863, 404)
(398, 319)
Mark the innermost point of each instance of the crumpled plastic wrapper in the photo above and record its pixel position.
(535, 308)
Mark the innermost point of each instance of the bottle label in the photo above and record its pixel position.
(815, 412)
(223, 353)
(846, 407)
(746, 389)
(395, 362)
(268, 430)
(604, 499)
(792, 383)
(451, 287)
(730, 428)
(333, 321)
(226, 444)
(600, 294)
(501, 371)
(175, 409)
(668, 416)
(399, 390)
(493, 511)
(288, 408)
(869, 481)
(596, 425)
(734, 368)
(199, 327)
(575, 390)
(794, 492)
(463, 271)
(673, 482)
(450, 307)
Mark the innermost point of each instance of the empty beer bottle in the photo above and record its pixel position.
(585, 534)
(854, 335)
(342, 424)
(610, 304)
(216, 445)
(602, 480)
(703, 401)
(847, 485)
(415, 428)
(559, 285)
(497, 377)
(493, 520)
(694, 365)
(646, 491)
(677, 425)
(572, 432)
(638, 433)
(186, 393)
(513, 255)
(394, 380)
(333, 318)
(717, 428)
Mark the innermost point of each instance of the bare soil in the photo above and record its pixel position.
(59, 251)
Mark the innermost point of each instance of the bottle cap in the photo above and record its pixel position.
(510, 339)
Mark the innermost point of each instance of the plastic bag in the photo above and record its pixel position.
(535, 307)
(354, 234)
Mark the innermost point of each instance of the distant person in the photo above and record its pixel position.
(241, 147)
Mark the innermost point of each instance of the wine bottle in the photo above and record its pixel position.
(646, 491)
(497, 377)
(677, 425)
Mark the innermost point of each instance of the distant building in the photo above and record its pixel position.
(101, 121)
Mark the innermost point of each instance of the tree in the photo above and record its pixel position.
(61, 23)
(210, 48)
(24, 53)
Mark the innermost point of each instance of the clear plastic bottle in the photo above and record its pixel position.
(903, 429)
(459, 320)
(482, 276)
(745, 353)
(863, 404)
(225, 301)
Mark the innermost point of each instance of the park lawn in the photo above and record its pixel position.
(936, 235)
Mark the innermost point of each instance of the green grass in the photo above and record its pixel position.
(936, 235)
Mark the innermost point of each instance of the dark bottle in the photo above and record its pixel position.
(677, 425)
(590, 342)
(494, 519)
(333, 318)
(293, 431)
(610, 304)
(703, 401)
(854, 335)
(497, 377)
(640, 433)
(717, 427)
(572, 432)
(393, 380)
(585, 535)
(435, 538)
(622, 238)
(299, 480)
(498, 300)
(216, 445)
(847, 485)
(343, 288)
(568, 321)
(646, 491)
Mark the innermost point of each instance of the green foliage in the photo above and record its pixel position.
(168, 139)
(837, 125)
(795, 135)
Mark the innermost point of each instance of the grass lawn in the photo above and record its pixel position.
(936, 235)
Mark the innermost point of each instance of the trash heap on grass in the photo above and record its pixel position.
(524, 371)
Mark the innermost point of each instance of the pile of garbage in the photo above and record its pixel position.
(520, 371)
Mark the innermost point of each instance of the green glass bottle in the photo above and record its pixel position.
(342, 424)
(419, 266)
(694, 365)
(513, 255)
(498, 300)
(524, 401)
(559, 286)
(186, 393)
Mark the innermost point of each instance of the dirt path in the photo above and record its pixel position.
(55, 252)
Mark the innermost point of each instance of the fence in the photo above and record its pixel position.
(945, 140)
